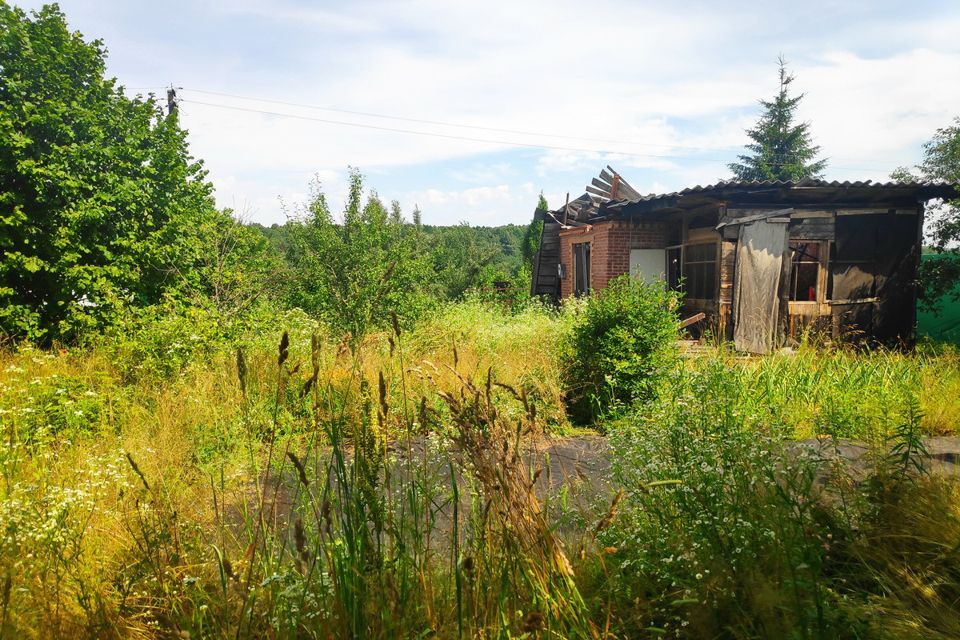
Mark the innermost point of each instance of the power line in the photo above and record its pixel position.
(449, 136)
(433, 134)
(442, 123)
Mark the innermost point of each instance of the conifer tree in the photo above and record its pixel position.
(780, 149)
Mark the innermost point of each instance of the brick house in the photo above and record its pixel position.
(764, 261)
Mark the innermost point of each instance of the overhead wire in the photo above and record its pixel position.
(466, 138)
(443, 123)
(448, 136)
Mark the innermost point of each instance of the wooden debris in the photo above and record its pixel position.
(692, 320)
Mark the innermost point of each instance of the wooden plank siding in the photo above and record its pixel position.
(546, 281)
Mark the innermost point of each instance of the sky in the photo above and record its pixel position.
(511, 99)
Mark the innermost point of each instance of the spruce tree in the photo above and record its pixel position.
(781, 150)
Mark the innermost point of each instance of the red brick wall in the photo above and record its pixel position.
(611, 243)
(569, 237)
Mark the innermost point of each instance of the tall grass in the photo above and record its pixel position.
(285, 494)
(730, 532)
(390, 490)
(846, 393)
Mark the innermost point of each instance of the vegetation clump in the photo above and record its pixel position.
(395, 489)
(621, 346)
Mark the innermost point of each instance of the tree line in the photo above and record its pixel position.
(103, 209)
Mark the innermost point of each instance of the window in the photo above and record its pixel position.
(647, 265)
(700, 271)
(581, 268)
(805, 270)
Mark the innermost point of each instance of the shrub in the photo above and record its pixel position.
(356, 272)
(621, 345)
(718, 514)
(727, 531)
(160, 341)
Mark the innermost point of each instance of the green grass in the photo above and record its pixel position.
(385, 492)
(846, 393)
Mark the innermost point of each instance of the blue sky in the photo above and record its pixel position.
(661, 91)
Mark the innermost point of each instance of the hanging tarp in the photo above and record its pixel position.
(756, 284)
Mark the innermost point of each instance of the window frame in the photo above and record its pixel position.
(716, 269)
(823, 271)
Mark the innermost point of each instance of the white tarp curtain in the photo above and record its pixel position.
(756, 285)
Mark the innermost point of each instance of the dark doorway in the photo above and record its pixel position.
(581, 268)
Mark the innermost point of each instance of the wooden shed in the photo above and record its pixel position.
(764, 261)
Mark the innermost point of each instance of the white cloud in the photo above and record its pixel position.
(869, 114)
(676, 84)
(480, 206)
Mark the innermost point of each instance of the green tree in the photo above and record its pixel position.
(531, 237)
(466, 257)
(941, 162)
(100, 202)
(238, 269)
(461, 258)
(780, 149)
(355, 273)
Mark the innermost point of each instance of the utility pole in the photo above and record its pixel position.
(171, 100)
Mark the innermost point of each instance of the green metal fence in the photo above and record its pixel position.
(943, 325)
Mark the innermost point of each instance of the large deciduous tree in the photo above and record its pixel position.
(941, 163)
(101, 205)
(780, 149)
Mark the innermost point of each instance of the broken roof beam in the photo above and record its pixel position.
(624, 190)
(600, 184)
(766, 215)
(599, 192)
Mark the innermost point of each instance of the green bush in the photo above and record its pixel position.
(718, 513)
(160, 341)
(622, 344)
(356, 272)
(727, 531)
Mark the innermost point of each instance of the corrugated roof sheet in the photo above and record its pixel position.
(806, 183)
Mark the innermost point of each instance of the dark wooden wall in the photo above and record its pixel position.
(546, 281)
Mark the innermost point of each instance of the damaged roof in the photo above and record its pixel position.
(615, 198)
(923, 190)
